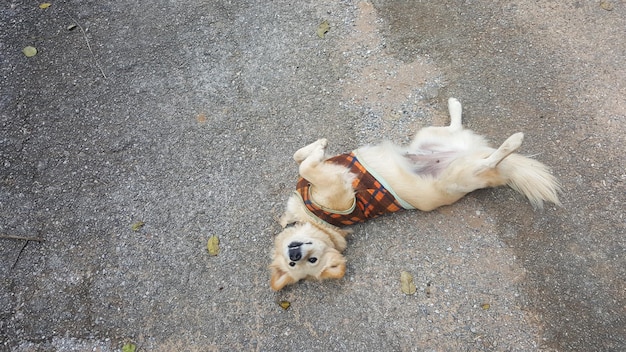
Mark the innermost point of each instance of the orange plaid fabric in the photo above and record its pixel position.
(372, 198)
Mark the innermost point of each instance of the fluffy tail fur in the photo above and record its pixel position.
(530, 178)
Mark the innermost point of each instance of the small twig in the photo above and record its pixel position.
(86, 41)
(26, 242)
(19, 254)
(11, 237)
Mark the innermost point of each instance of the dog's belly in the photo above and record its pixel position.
(429, 162)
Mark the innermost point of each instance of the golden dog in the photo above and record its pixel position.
(440, 166)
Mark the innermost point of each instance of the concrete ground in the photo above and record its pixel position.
(184, 116)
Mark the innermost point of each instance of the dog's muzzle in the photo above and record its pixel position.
(295, 251)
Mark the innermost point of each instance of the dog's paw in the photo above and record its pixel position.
(320, 149)
(514, 142)
(310, 149)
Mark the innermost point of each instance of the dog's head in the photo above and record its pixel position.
(305, 251)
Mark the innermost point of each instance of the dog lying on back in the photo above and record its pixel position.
(439, 167)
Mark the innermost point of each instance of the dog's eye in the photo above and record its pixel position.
(312, 260)
(292, 263)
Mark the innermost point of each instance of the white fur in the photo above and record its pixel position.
(440, 166)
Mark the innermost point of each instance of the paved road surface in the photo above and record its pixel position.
(184, 116)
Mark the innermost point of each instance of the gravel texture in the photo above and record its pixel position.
(184, 116)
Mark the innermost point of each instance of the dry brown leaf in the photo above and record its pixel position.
(137, 225)
(284, 304)
(406, 280)
(322, 29)
(30, 51)
(606, 5)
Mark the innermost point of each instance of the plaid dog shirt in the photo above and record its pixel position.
(372, 199)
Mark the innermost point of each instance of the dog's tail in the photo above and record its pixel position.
(530, 178)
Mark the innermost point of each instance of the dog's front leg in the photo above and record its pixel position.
(314, 149)
(331, 184)
(312, 163)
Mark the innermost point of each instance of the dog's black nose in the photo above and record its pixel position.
(295, 253)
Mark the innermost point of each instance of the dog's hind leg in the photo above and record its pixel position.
(456, 112)
(474, 172)
(442, 138)
(509, 146)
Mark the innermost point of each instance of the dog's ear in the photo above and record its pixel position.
(279, 278)
(335, 267)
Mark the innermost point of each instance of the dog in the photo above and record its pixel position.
(439, 167)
